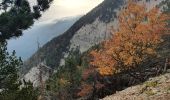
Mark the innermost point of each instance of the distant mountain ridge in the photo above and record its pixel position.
(41, 32)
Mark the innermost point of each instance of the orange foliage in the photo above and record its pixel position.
(138, 36)
(86, 89)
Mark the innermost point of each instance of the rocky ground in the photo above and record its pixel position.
(157, 88)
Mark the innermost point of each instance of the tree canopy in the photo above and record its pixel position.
(136, 40)
(19, 15)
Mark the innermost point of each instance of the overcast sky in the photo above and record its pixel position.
(67, 8)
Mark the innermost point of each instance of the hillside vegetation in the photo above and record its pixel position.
(138, 49)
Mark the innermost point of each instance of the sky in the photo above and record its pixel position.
(67, 8)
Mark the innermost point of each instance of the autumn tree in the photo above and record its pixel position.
(91, 81)
(135, 41)
(90, 84)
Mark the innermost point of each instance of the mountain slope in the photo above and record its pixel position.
(53, 51)
(89, 30)
(157, 88)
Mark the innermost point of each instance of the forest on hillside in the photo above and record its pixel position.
(138, 49)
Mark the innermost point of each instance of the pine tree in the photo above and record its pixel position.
(11, 87)
(9, 66)
(16, 16)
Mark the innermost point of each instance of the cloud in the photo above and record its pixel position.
(63, 8)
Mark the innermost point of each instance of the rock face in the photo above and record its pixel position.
(91, 34)
(89, 30)
(157, 88)
(34, 74)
